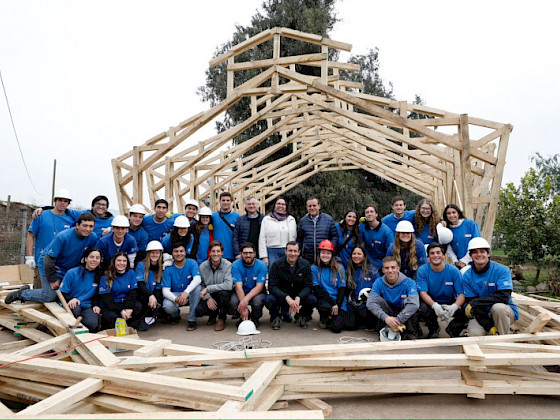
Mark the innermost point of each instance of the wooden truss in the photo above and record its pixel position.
(329, 125)
(160, 379)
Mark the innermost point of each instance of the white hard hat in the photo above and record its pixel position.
(476, 243)
(404, 226)
(120, 221)
(247, 328)
(445, 236)
(181, 222)
(137, 208)
(205, 211)
(192, 202)
(63, 193)
(154, 246)
(387, 334)
(364, 293)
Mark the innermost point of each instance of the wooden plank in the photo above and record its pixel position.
(16, 344)
(153, 349)
(316, 404)
(538, 323)
(473, 352)
(471, 378)
(53, 344)
(291, 414)
(270, 398)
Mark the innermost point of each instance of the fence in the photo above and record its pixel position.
(15, 219)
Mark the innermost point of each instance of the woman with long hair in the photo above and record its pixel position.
(360, 276)
(408, 250)
(426, 219)
(118, 290)
(203, 235)
(463, 231)
(79, 286)
(348, 236)
(181, 232)
(329, 286)
(277, 229)
(148, 275)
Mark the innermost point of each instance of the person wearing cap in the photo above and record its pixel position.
(399, 214)
(463, 231)
(247, 227)
(488, 288)
(217, 284)
(203, 235)
(149, 275)
(277, 229)
(181, 286)
(63, 253)
(160, 223)
(136, 215)
(249, 277)
(408, 250)
(329, 287)
(117, 241)
(314, 228)
(44, 228)
(376, 236)
(224, 224)
(441, 293)
(393, 299)
(290, 283)
(179, 233)
(191, 210)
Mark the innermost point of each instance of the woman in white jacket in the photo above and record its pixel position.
(277, 229)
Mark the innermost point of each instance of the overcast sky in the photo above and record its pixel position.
(88, 80)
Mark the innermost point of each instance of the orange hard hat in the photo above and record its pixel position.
(326, 245)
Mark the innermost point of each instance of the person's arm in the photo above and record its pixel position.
(193, 284)
(254, 291)
(321, 293)
(426, 298)
(333, 234)
(372, 304)
(342, 291)
(235, 242)
(499, 296)
(168, 294)
(263, 251)
(411, 305)
(143, 289)
(29, 243)
(308, 282)
(130, 299)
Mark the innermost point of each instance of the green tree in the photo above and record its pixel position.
(549, 166)
(528, 222)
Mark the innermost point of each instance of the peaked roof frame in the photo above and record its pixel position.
(318, 117)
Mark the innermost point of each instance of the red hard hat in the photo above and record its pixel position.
(327, 245)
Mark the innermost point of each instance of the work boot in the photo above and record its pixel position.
(493, 331)
(220, 325)
(277, 323)
(143, 325)
(322, 323)
(211, 320)
(191, 325)
(301, 322)
(433, 333)
(12, 297)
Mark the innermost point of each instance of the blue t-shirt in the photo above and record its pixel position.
(363, 280)
(203, 243)
(80, 284)
(178, 279)
(324, 277)
(46, 227)
(444, 286)
(462, 235)
(376, 242)
(222, 231)
(391, 221)
(151, 283)
(420, 258)
(122, 284)
(397, 294)
(108, 247)
(157, 230)
(168, 246)
(346, 252)
(497, 277)
(141, 237)
(68, 249)
(248, 275)
(425, 236)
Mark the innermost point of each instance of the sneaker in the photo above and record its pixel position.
(191, 325)
(433, 334)
(211, 320)
(323, 323)
(220, 325)
(175, 319)
(143, 325)
(16, 296)
(287, 318)
(277, 323)
(301, 322)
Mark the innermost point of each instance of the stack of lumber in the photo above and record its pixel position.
(160, 379)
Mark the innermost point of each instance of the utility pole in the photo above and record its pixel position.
(53, 182)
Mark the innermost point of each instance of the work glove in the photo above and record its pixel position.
(167, 261)
(30, 262)
(437, 309)
(362, 219)
(468, 311)
(449, 311)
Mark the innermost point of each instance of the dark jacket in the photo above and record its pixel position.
(242, 230)
(310, 235)
(281, 281)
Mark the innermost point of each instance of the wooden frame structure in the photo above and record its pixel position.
(329, 125)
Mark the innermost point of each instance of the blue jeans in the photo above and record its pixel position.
(172, 309)
(274, 254)
(44, 294)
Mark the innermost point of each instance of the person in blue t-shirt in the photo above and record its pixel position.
(348, 237)
(181, 286)
(488, 287)
(329, 286)
(463, 231)
(249, 277)
(203, 235)
(117, 241)
(79, 286)
(63, 253)
(149, 275)
(393, 299)
(136, 215)
(409, 251)
(117, 292)
(441, 293)
(224, 224)
(426, 219)
(44, 228)
(399, 213)
(376, 236)
(160, 223)
(360, 276)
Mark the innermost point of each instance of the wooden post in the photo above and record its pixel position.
(466, 165)
(230, 76)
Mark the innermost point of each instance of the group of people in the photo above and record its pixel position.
(386, 274)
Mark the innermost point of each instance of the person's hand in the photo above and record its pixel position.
(30, 262)
(106, 231)
(265, 260)
(36, 213)
(468, 311)
(293, 304)
(126, 313)
(334, 310)
(96, 310)
(392, 322)
(203, 293)
(152, 302)
(460, 264)
(212, 304)
(238, 256)
(182, 299)
(55, 285)
(437, 309)
(242, 305)
(244, 315)
(167, 261)
(72, 303)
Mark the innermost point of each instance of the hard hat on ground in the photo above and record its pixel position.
(154, 246)
(181, 222)
(137, 208)
(476, 243)
(63, 193)
(120, 221)
(205, 211)
(192, 202)
(445, 236)
(364, 293)
(326, 245)
(247, 327)
(404, 226)
(387, 334)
